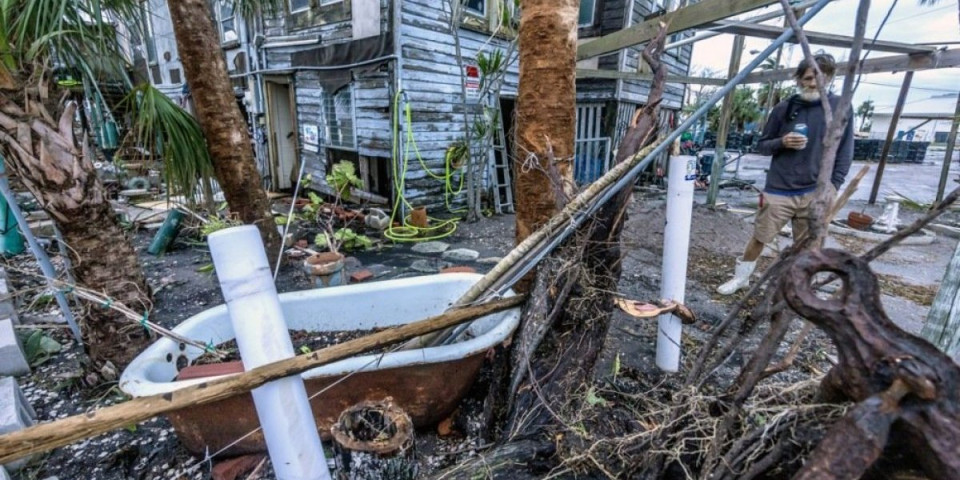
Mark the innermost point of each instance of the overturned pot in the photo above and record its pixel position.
(325, 268)
(859, 221)
(373, 440)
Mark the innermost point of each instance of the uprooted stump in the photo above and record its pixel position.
(373, 440)
(907, 389)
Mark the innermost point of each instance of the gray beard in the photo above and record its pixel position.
(810, 96)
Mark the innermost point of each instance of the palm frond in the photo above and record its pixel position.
(162, 128)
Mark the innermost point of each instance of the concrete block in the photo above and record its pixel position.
(8, 307)
(15, 414)
(12, 360)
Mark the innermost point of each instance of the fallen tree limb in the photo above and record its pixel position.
(48, 436)
(908, 389)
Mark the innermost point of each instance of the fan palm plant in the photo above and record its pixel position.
(42, 41)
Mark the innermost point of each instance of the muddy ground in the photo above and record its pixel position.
(151, 451)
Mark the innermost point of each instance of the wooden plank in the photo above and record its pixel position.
(612, 74)
(817, 38)
(898, 63)
(682, 19)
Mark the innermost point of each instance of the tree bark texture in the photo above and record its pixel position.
(222, 123)
(546, 108)
(46, 156)
(908, 389)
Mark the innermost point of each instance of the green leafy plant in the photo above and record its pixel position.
(38, 347)
(342, 176)
(216, 223)
(314, 206)
(344, 238)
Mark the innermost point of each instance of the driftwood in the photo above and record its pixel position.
(48, 436)
(907, 388)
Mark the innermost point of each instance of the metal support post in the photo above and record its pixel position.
(45, 266)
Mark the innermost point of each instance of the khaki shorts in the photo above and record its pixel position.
(777, 210)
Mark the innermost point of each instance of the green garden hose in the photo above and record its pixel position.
(408, 232)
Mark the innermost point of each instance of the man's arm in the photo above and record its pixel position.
(770, 142)
(844, 154)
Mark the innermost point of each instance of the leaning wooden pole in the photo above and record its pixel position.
(48, 436)
(725, 113)
(948, 155)
(904, 88)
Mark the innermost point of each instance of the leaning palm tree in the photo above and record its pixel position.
(217, 111)
(47, 47)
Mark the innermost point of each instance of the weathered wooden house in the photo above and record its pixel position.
(325, 80)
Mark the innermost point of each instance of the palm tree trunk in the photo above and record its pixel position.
(546, 103)
(219, 116)
(45, 155)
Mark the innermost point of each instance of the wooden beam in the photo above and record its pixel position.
(897, 110)
(898, 63)
(50, 435)
(615, 75)
(682, 19)
(817, 38)
(948, 158)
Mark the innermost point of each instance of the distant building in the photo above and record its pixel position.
(926, 120)
(319, 81)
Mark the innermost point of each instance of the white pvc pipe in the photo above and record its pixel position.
(262, 337)
(676, 242)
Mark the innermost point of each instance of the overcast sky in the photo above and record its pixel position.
(909, 23)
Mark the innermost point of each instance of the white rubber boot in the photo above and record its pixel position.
(741, 277)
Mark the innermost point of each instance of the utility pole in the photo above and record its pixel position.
(725, 112)
(948, 155)
(904, 88)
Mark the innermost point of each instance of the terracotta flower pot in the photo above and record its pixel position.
(326, 268)
(859, 221)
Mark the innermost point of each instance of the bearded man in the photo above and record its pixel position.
(793, 136)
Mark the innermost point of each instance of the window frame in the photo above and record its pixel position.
(593, 15)
(292, 11)
(329, 109)
(220, 5)
(477, 13)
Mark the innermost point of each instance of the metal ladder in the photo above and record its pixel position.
(502, 183)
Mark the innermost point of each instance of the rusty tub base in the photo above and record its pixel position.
(427, 392)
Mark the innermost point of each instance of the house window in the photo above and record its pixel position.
(299, 5)
(324, 3)
(477, 7)
(340, 116)
(149, 42)
(587, 12)
(228, 22)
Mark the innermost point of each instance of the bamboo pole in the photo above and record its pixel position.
(548, 230)
(48, 436)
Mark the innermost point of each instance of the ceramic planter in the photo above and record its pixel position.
(326, 269)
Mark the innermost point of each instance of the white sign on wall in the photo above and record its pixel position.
(311, 138)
